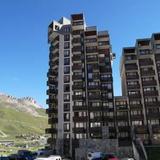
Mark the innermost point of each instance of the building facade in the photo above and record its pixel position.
(123, 125)
(140, 74)
(80, 84)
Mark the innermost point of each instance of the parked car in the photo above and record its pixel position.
(94, 155)
(4, 158)
(127, 159)
(109, 157)
(52, 157)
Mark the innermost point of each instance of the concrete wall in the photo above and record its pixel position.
(101, 145)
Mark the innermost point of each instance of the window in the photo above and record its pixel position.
(80, 125)
(123, 134)
(66, 78)
(153, 122)
(102, 43)
(93, 83)
(149, 89)
(136, 122)
(90, 75)
(105, 104)
(66, 87)
(66, 45)
(66, 135)
(150, 99)
(80, 135)
(91, 40)
(110, 96)
(144, 51)
(157, 46)
(66, 116)
(66, 70)
(94, 104)
(66, 106)
(66, 97)
(89, 67)
(66, 61)
(66, 126)
(136, 112)
(135, 102)
(66, 37)
(95, 124)
(122, 123)
(78, 93)
(77, 103)
(110, 105)
(66, 53)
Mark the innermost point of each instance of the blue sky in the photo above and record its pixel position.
(23, 36)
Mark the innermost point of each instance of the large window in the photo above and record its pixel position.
(67, 61)
(66, 45)
(66, 106)
(66, 69)
(66, 53)
(66, 78)
(66, 37)
(66, 116)
(66, 126)
(66, 87)
(66, 97)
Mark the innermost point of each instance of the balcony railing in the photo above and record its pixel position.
(52, 91)
(135, 96)
(146, 63)
(77, 97)
(153, 115)
(77, 77)
(156, 128)
(135, 106)
(52, 82)
(51, 101)
(141, 129)
(137, 117)
(151, 93)
(79, 119)
(51, 130)
(152, 104)
(136, 86)
(76, 67)
(148, 73)
(52, 120)
(94, 97)
(77, 57)
(123, 117)
(51, 140)
(52, 73)
(149, 83)
(96, 119)
(77, 87)
(107, 79)
(51, 110)
(79, 130)
(79, 108)
(93, 59)
(94, 87)
(96, 129)
(124, 128)
(132, 77)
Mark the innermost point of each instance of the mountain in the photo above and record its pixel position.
(20, 116)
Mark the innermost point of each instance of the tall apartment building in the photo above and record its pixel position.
(80, 84)
(140, 74)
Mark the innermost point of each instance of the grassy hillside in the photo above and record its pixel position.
(15, 122)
